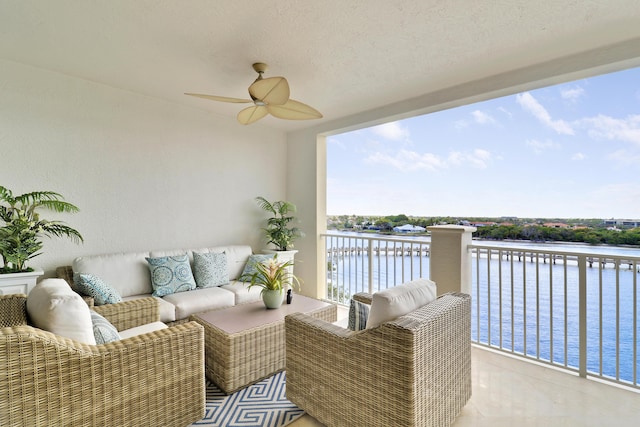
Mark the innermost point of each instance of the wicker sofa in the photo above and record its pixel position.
(153, 379)
(411, 371)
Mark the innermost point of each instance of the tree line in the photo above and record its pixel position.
(539, 233)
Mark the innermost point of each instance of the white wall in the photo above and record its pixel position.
(146, 174)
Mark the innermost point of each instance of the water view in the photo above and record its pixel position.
(525, 300)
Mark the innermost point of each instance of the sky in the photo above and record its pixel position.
(564, 151)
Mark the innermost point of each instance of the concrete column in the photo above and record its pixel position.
(450, 258)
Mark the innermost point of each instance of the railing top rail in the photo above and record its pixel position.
(416, 240)
(529, 250)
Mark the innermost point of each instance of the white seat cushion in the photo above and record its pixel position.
(199, 300)
(395, 302)
(167, 310)
(143, 329)
(53, 306)
(242, 293)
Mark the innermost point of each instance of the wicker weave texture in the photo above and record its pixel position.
(154, 379)
(234, 361)
(413, 371)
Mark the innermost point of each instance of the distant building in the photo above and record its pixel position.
(556, 225)
(624, 223)
(408, 228)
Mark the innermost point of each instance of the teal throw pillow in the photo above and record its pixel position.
(210, 269)
(103, 330)
(93, 286)
(358, 314)
(250, 266)
(170, 275)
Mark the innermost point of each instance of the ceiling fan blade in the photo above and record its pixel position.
(252, 114)
(220, 98)
(272, 91)
(294, 110)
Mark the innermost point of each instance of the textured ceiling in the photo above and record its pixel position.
(340, 56)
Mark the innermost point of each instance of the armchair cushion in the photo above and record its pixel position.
(103, 330)
(93, 286)
(358, 315)
(53, 306)
(395, 302)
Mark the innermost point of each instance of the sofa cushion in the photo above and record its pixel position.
(358, 315)
(237, 256)
(242, 293)
(250, 266)
(397, 301)
(127, 273)
(103, 330)
(210, 269)
(93, 286)
(170, 275)
(53, 306)
(199, 300)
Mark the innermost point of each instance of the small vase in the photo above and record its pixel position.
(272, 298)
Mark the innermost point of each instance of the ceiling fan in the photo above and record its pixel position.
(269, 96)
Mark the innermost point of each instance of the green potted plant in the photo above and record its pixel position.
(279, 230)
(273, 277)
(22, 228)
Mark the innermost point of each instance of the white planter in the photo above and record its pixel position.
(19, 283)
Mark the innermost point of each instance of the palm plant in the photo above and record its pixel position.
(278, 230)
(20, 236)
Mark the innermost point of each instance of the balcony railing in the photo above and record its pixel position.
(575, 311)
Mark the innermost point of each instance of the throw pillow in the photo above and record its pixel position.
(103, 330)
(358, 314)
(395, 302)
(210, 269)
(250, 266)
(93, 286)
(53, 306)
(170, 274)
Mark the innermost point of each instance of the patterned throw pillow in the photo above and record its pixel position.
(250, 266)
(170, 275)
(210, 269)
(358, 314)
(93, 286)
(103, 330)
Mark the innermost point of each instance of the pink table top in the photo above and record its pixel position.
(248, 316)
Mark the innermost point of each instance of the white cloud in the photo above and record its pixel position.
(529, 103)
(393, 131)
(578, 156)
(607, 127)
(625, 157)
(572, 94)
(406, 160)
(506, 112)
(540, 146)
(482, 118)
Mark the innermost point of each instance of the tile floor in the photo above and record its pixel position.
(509, 392)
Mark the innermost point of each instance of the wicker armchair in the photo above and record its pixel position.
(154, 379)
(412, 371)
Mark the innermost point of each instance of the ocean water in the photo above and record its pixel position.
(533, 309)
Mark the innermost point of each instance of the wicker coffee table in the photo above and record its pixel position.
(246, 343)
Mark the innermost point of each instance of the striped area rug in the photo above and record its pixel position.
(263, 404)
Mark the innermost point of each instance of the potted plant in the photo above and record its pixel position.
(22, 229)
(273, 277)
(279, 230)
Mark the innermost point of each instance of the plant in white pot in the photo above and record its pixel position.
(273, 276)
(22, 228)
